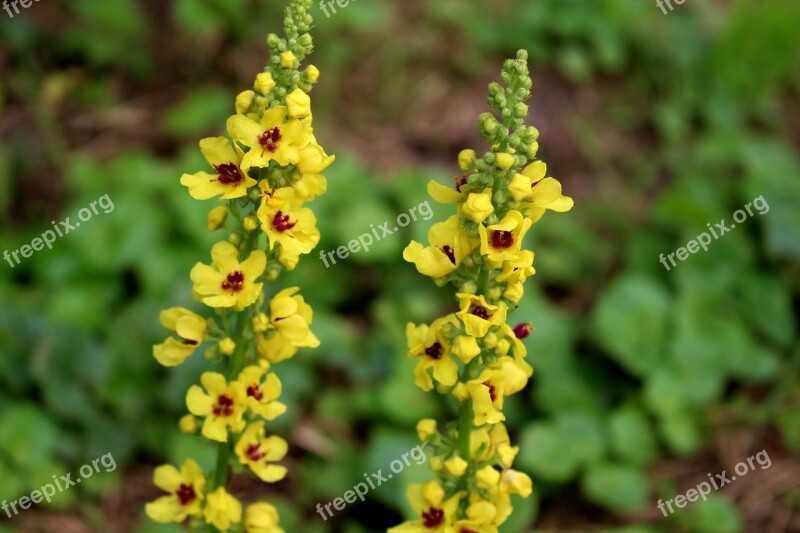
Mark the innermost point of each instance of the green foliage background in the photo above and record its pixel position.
(634, 364)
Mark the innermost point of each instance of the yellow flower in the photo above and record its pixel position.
(188, 424)
(515, 375)
(216, 218)
(313, 160)
(229, 179)
(228, 283)
(191, 330)
(449, 246)
(432, 347)
(222, 510)
(186, 492)
(514, 482)
(538, 193)
(481, 517)
(250, 223)
(288, 59)
(478, 206)
(486, 393)
(437, 515)
(426, 428)
(274, 349)
(221, 404)
(273, 138)
(312, 74)
(466, 159)
(466, 348)
(456, 466)
(514, 274)
(262, 396)
(264, 83)
(293, 228)
(299, 104)
(256, 451)
(262, 518)
(478, 315)
(291, 317)
(244, 100)
(446, 195)
(502, 241)
(488, 478)
(227, 346)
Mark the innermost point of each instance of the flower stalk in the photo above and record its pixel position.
(262, 174)
(473, 354)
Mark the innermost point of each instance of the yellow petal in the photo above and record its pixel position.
(218, 151)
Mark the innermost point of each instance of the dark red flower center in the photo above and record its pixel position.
(189, 342)
(254, 391)
(185, 494)
(449, 252)
(254, 453)
(434, 351)
(270, 139)
(492, 390)
(224, 406)
(228, 174)
(282, 222)
(233, 282)
(433, 517)
(481, 312)
(461, 181)
(502, 239)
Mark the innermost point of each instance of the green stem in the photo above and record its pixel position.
(235, 365)
(465, 429)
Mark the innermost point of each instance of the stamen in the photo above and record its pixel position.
(281, 222)
(185, 494)
(434, 351)
(270, 139)
(228, 174)
(433, 517)
(234, 282)
(449, 252)
(224, 406)
(502, 239)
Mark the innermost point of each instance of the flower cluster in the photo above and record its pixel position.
(473, 354)
(263, 174)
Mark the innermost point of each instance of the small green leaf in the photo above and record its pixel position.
(617, 487)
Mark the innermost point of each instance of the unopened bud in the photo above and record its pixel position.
(466, 159)
(523, 330)
(216, 218)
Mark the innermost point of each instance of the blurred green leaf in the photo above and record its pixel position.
(631, 322)
(617, 487)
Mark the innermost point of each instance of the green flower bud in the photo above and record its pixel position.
(469, 287)
(495, 293)
(235, 238)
